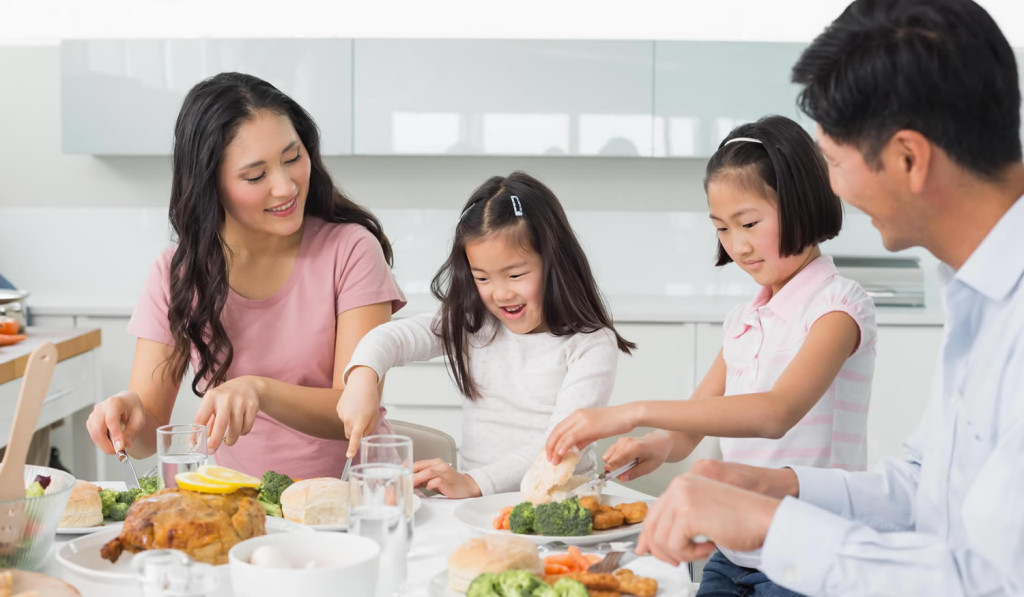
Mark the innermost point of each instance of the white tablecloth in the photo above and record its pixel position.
(437, 533)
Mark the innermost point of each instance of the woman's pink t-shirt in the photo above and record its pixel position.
(289, 336)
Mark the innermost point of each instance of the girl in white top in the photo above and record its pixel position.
(526, 336)
(792, 381)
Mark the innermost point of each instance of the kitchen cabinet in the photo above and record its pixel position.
(702, 90)
(122, 97)
(502, 97)
(72, 391)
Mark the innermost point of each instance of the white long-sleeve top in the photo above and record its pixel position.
(946, 519)
(527, 384)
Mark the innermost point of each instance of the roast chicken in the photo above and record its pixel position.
(205, 526)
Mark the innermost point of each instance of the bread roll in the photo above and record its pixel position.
(84, 508)
(545, 478)
(321, 500)
(491, 553)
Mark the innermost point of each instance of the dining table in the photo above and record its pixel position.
(437, 532)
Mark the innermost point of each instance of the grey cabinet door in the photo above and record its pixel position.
(121, 97)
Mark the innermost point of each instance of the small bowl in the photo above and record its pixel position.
(342, 560)
(42, 515)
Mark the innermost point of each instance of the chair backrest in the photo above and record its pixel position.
(428, 442)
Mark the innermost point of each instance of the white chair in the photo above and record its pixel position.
(428, 442)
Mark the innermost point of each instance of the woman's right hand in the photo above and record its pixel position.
(115, 422)
(651, 450)
(359, 406)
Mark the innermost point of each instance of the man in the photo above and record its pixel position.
(918, 111)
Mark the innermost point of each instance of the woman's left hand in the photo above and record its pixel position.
(438, 475)
(229, 410)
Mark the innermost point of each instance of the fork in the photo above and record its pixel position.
(607, 564)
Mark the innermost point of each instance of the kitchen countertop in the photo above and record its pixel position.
(69, 341)
(625, 309)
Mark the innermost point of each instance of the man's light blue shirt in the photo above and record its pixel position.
(948, 517)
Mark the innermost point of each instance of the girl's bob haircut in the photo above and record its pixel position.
(785, 166)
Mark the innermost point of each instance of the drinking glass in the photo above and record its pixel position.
(393, 450)
(377, 495)
(179, 449)
(172, 573)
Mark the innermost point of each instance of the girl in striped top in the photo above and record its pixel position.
(792, 381)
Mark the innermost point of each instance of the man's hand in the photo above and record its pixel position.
(772, 482)
(693, 505)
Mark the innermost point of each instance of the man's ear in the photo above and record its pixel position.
(910, 152)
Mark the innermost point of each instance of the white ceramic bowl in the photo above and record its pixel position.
(344, 564)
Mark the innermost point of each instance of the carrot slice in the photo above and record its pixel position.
(592, 558)
(552, 568)
(8, 339)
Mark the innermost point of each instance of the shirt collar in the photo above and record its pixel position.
(997, 265)
(791, 299)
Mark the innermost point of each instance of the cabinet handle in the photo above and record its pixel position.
(58, 394)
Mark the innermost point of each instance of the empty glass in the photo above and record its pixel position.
(377, 494)
(172, 573)
(179, 449)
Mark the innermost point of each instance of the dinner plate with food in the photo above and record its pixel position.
(510, 565)
(203, 519)
(100, 505)
(549, 507)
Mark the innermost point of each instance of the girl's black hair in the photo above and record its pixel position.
(787, 161)
(209, 119)
(572, 302)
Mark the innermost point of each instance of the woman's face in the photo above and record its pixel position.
(264, 177)
(510, 281)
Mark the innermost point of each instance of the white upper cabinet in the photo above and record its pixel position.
(503, 97)
(122, 97)
(702, 90)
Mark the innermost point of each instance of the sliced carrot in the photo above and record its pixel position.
(552, 568)
(8, 326)
(579, 562)
(497, 522)
(562, 559)
(506, 522)
(8, 339)
(592, 558)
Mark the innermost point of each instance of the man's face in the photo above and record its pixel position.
(881, 193)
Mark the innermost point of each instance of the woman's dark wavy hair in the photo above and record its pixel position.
(787, 161)
(208, 121)
(939, 67)
(572, 301)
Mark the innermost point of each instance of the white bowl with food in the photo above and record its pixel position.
(304, 564)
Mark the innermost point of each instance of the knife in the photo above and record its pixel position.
(580, 490)
(131, 480)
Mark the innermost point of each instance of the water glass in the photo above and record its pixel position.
(395, 450)
(179, 449)
(377, 494)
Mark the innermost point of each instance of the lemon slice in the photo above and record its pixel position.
(193, 482)
(222, 474)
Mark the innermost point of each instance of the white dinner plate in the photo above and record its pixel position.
(478, 513)
(106, 524)
(417, 503)
(672, 581)
(82, 555)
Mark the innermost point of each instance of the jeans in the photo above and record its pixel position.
(722, 578)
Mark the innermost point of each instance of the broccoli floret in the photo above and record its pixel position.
(544, 590)
(564, 519)
(483, 586)
(108, 497)
(35, 489)
(272, 509)
(567, 587)
(272, 486)
(119, 510)
(149, 485)
(129, 496)
(516, 583)
(523, 519)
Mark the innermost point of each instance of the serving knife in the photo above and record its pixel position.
(582, 489)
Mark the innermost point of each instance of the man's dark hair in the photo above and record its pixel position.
(939, 67)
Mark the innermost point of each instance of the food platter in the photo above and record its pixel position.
(106, 524)
(478, 513)
(82, 555)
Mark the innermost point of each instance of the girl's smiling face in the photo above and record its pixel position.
(510, 281)
(749, 230)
